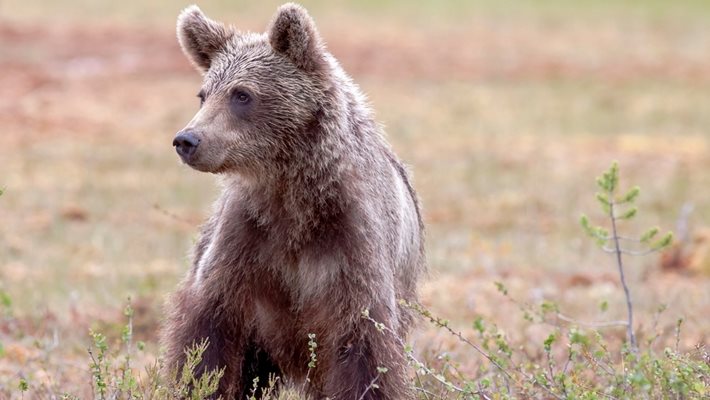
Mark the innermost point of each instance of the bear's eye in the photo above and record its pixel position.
(241, 103)
(241, 97)
(201, 95)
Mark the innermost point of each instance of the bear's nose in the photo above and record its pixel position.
(186, 144)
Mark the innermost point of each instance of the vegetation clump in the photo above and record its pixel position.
(576, 360)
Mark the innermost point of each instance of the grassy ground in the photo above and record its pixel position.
(506, 111)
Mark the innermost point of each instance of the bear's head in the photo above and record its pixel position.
(262, 94)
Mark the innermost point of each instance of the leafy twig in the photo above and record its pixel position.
(611, 204)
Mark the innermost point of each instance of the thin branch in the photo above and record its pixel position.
(460, 336)
(638, 253)
(436, 376)
(597, 363)
(608, 324)
(419, 364)
(370, 386)
(610, 238)
(597, 392)
(677, 334)
(627, 293)
(629, 239)
(485, 397)
(419, 382)
(612, 250)
(549, 366)
(172, 215)
(564, 369)
(426, 392)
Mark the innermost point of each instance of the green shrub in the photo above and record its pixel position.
(115, 378)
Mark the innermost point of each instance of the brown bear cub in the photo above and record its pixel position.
(316, 222)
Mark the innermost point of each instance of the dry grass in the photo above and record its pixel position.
(506, 116)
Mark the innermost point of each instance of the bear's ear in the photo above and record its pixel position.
(200, 37)
(293, 34)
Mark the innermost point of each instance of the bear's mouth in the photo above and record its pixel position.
(187, 159)
(197, 163)
(192, 162)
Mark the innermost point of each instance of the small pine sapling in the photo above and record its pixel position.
(620, 208)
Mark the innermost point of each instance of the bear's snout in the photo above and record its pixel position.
(186, 144)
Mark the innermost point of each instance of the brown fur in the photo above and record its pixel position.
(316, 222)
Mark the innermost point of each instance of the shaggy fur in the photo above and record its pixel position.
(317, 219)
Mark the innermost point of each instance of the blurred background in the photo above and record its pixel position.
(505, 110)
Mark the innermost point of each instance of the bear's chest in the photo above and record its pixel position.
(240, 255)
(247, 257)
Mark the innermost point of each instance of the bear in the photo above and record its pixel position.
(316, 228)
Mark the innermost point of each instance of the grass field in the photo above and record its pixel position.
(505, 111)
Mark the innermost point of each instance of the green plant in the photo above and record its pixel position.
(23, 386)
(312, 358)
(115, 378)
(621, 208)
(99, 365)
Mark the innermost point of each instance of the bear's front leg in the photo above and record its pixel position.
(192, 319)
(364, 362)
